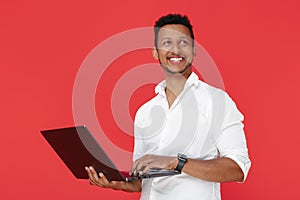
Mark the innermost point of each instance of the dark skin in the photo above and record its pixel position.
(101, 181)
(175, 53)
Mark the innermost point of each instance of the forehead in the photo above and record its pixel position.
(174, 30)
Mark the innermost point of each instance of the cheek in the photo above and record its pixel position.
(162, 53)
(163, 49)
(189, 52)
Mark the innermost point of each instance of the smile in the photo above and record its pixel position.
(176, 59)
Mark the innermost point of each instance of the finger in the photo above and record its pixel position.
(91, 176)
(92, 182)
(145, 169)
(98, 180)
(89, 172)
(138, 168)
(139, 163)
(94, 179)
(141, 166)
(133, 168)
(103, 179)
(94, 175)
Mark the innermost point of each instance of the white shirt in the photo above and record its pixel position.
(202, 123)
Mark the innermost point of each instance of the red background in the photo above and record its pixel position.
(255, 45)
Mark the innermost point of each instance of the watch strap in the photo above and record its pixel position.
(182, 159)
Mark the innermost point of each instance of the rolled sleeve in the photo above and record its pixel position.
(232, 142)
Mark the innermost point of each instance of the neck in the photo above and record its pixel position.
(175, 82)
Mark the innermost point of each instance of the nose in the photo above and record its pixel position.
(176, 48)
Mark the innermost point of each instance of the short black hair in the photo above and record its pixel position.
(172, 19)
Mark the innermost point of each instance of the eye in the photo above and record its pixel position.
(166, 42)
(184, 42)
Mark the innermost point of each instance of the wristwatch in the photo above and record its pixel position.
(182, 159)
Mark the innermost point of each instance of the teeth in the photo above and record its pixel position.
(176, 59)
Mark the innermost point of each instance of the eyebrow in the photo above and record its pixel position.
(185, 37)
(181, 37)
(166, 37)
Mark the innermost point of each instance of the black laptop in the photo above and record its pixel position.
(78, 148)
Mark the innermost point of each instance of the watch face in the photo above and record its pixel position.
(182, 157)
(182, 160)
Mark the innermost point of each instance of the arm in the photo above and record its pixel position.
(214, 170)
(101, 181)
(232, 163)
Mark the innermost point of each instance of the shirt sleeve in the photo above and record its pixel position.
(232, 141)
(138, 142)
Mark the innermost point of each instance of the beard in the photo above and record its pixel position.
(167, 69)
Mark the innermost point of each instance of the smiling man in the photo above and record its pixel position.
(189, 126)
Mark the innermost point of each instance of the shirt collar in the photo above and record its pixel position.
(193, 79)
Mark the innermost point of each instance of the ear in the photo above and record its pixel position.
(155, 53)
(195, 51)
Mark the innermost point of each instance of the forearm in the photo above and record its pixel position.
(215, 170)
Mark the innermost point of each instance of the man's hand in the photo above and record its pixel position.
(101, 181)
(142, 165)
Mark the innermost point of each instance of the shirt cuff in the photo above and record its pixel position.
(243, 162)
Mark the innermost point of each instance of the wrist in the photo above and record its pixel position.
(181, 160)
(134, 186)
(174, 163)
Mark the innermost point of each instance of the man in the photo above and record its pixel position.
(189, 126)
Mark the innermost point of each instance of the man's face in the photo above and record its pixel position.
(175, 49)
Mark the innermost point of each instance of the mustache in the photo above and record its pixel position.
(175, 72)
